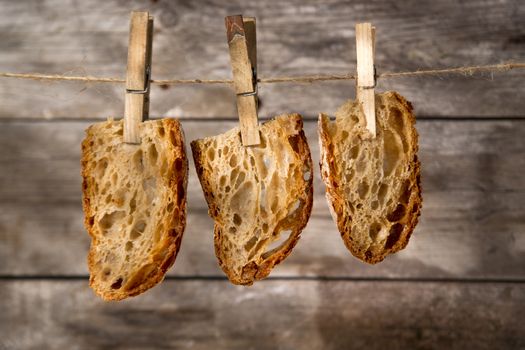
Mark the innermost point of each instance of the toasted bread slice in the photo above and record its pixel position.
(134, 205)
(372, 184)
(259, 196)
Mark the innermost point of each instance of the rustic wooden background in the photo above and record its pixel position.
(459, 284)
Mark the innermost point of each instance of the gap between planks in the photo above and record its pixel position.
(420, 118)
(218, 278)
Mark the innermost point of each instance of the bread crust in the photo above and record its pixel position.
(158, 264)
(257, 269)
(335, 196)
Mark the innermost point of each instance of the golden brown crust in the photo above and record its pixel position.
(175, 224)
(257, 270)
(335, 196)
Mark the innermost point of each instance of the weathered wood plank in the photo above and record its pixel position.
(472, 224)
(294, 38)
(269, 315)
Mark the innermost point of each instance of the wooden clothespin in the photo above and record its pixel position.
(138, 75)
(366, 77)
(243, 57)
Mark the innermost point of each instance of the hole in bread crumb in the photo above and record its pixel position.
(240, 179)
(137, 160)
(242, 199)
(344, 135)
(362, 189)
(149, 186)
(392, 153)
(257, 248)
(294, 140)
(137, 230)
(161, 131)
(222, 180)
(374, 205)
(404, 192)
(226, 150)
(117, 284)
(105, 273)
(361, 165)
(180, 192)
(354, 152)
(233, 160)
(233, 174)
(265, 227)
(397, 214)
(164, 167)
(232, 230)
(275, 203)
(173, 138)
(153, 154)
(393, 235)
(396, 119)
(114, 178)
(249, 245)
(227, 189)
(279, 241)
(210, 154)
(375, 228)
(349, 175)
(381, 194)
(170, 207)
(237, 219)
(129, 246)
(109, 219)
(133, 203)
(101, 168)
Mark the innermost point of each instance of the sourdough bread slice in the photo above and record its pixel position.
(259, 196)
(372, 184)
(134, 200)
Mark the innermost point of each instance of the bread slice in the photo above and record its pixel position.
(260, 196)
(372, 184)
(134, 205)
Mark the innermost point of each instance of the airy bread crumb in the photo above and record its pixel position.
(134, 205)
(259, 196)
(372, 184)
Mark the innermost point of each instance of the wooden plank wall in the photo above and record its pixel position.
(458, 284)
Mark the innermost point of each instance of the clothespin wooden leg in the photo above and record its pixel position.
(243, 56)
(366, 78)
(138, 75)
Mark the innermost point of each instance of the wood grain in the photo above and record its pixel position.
(366, 80)
(294, 38)
(472, 224)
(243, 59)
(269, 315)
(138, 73)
